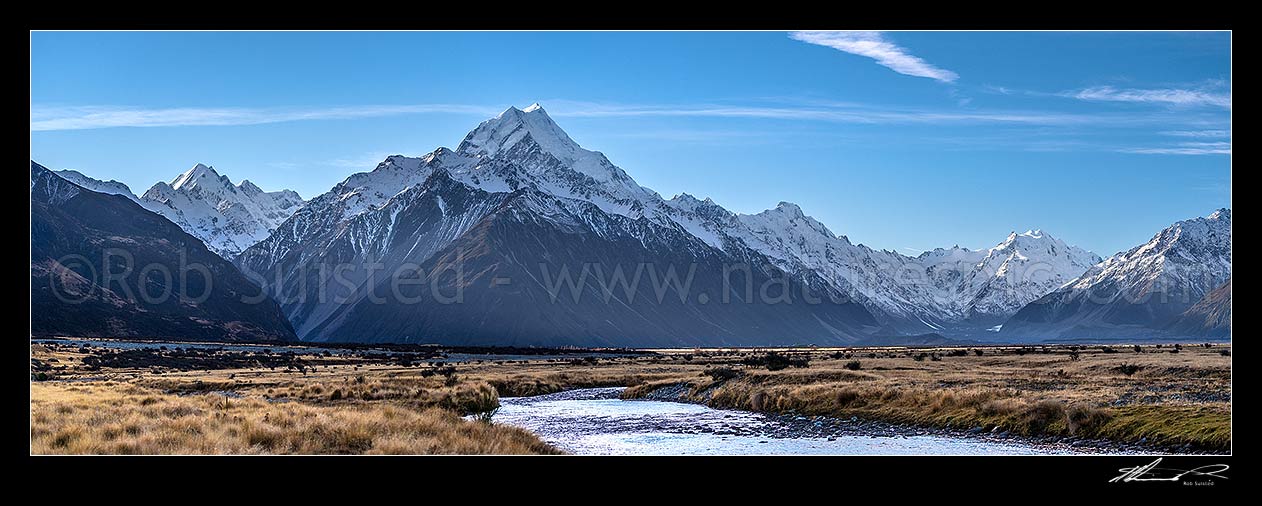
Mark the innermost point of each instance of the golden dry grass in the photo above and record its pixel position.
(1169, 398)
(122, 418)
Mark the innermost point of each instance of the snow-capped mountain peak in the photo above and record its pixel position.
(110, 187)
(227, 217)
(249, 188)
(1032, 234)
(198, 175)
(1023, 268)
(937, 287)
(525, 150)
(790, 208)
(1199, 247)
(502, 132)
(787, 216)
(1136, 291)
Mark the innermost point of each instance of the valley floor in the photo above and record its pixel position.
(99, 400)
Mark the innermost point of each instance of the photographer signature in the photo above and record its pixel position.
(1151, 472)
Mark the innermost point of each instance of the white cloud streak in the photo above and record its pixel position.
(1217, 134)
(836, 114)
(856, 114)
(46, 118)
(874, 45)
(1179, 97)
(50, 118)
(1186, 148)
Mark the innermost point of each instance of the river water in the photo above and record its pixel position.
(595, 421)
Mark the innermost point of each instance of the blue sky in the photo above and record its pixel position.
(899, 140)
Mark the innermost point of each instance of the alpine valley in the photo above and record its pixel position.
(520, 236)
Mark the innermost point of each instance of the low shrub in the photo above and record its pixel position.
(722, 373)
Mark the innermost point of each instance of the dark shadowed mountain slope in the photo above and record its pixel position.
(102, 266)
(1211, 317)
(518, 197)
(502, 282)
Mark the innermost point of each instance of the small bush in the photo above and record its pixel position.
(1080, 418)
(775, 361)
(1038, 417)
(722, 373)
(485, 416)
(919, 357)
(854, 365)
(979, 352)
(847, 398)
(1224, 352)
(1128, 369)
(1139, 349)
(1074, 356)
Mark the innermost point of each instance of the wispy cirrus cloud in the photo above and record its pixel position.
(697, 136)
(1185, 148)
(46, 118)
(1198, 133)
(1167, 96)
(838, 113)
(874, 45)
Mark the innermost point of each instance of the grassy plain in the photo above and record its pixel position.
(367, 404)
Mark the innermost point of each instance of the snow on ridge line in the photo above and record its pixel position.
(525, 148)
(228, 218)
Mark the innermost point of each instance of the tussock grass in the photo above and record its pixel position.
(1168, 398)
(1029, 394)
(1200, 426)
(539, 383)
(107, 421)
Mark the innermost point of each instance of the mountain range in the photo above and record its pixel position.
(1149, 286)
(103, 266)
(474, 245)
(515, 206)
(228, 218)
